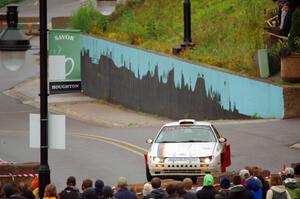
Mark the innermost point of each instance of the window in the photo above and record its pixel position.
(187, 133)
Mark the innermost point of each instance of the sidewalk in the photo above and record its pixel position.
(83, 108)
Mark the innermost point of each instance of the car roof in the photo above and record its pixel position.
(188, 122)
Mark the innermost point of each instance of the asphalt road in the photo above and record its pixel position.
(264, 143)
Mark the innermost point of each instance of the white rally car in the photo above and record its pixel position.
(187, 148)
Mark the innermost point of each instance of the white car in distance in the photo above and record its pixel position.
(186, 148)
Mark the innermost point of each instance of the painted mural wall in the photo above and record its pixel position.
(171, 87)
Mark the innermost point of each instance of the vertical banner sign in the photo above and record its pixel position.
(64, 61)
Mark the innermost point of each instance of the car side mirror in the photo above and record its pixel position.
(222, 140)
(149, 141)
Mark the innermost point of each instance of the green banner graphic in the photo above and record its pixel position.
(64, 51)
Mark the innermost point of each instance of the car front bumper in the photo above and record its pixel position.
(184, 169)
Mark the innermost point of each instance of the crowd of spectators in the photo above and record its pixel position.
(249, 183)
(284, 13)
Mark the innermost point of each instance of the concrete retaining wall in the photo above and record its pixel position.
(291, 101)
(173, 87)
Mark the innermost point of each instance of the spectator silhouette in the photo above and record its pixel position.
(181, 192)
(35, 186)
(87, 189)
(188, 185)
(287, 22)
(208, 191)
(90, 193)
(12, 192)
(244, 174)
(265, 186)
(224, 187)
(157, 191)
(171, 191)
(253, 185)
(107, 192)
(26, 191)
(147, 188)
(99, 184)
(8, 190)
(123, 192)
(277, 190)
(71, 191)
(238, 191)
(199, 183)
(50, 192)
(291, 184)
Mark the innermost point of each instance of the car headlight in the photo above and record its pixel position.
(206, 160)
(158, 160)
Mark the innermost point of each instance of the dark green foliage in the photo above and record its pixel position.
(130, 25)
(88, 19)
(123, 7)
(274, 57)
(6, 2)
(154, 29)
(294, 35)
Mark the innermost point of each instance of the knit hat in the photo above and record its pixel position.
(107, 192)
(244, 173)
(225, 183)
(99, 184)
(147, 189)
(289, 171)
(122, 181)
(208, 180)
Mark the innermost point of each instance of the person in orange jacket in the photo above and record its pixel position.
(35, 186)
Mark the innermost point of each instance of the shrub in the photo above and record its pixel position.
(294, 35)
(6, 2)
(88, 19)
(154, 29)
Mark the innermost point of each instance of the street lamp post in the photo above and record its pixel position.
(44, 170)
(187, 40)
(12, 44)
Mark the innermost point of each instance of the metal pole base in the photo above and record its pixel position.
(187, 44)
(44, 178)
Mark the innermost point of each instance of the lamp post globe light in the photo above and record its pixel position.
(106, 7)
(13, 42)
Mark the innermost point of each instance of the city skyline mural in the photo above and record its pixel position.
(149, 93)
(237, 94)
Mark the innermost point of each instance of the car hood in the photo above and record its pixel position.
(202, 149)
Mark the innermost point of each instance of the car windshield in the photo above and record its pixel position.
(187, 133)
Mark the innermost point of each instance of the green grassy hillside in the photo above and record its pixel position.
(6, 2)
(226, 33)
